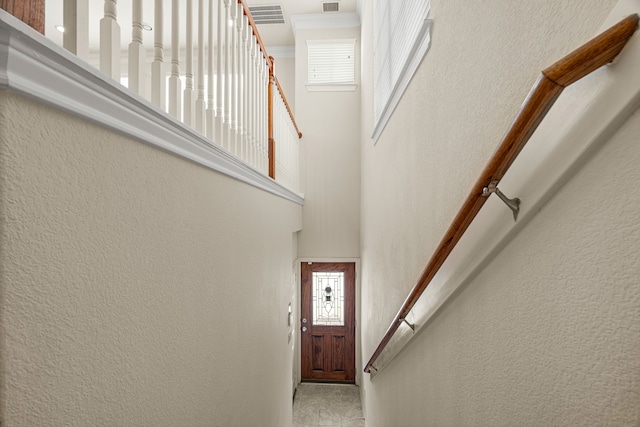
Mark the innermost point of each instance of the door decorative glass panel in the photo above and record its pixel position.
(328, 298)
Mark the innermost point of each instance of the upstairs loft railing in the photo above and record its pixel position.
(581, 62)
(222, 84)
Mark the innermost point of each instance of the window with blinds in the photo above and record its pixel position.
(401, 39)
(331, 62)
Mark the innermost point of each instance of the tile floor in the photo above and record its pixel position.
(317, 404)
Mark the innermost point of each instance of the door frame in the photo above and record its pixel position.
(298, 349)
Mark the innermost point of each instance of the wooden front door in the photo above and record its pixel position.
(328, 321)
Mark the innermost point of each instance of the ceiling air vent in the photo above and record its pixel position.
(333, 6)
(271, 14)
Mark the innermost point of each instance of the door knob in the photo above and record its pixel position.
(304, 329)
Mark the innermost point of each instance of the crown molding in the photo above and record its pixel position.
(36, 67)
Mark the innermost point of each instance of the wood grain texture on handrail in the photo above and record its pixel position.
(286, 103)
(594, 54)
(31, 12)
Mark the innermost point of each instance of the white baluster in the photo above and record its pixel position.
(211, 49)
(264, 139)
(110, 40)
(175, 86)
(248, 97)
(227, 77)
(76, 27)
(279, 137)
(295, 138)
(275, 130)
(246, 101)
(259, 107)
(256, 107)
(157, 73)
(137, 54)
(255, 52)
(233, 78)
(200, 104)
(189, 101)
(240, 23)
(220, 67)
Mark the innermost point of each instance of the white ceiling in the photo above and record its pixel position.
(272, 34)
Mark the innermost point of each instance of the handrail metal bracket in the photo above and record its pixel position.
(412, 326)
(513, 204)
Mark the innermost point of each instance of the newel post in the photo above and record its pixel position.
(272, 142)
(30, 12)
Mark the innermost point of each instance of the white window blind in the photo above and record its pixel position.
(401, 39)
(331, 62)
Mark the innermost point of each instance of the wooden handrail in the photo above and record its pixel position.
(594, 54)
(31, 12)
(286, 103)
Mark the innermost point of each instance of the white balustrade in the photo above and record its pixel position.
(226, 123)
(110, 40)
(233, 78)
(157, 72)
(255, 115)
(175, 85)
(76, 27)
(211, 54)
(137, 54)
(262, 109)
(220, 67)
(246, 100)
(188, 102)
(201, 106)
(287, 139)
(225, 96)
(240, 24)
(253, 96)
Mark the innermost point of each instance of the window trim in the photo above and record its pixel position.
(419, 47)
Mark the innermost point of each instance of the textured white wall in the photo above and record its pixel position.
(548, 333)
(330, 159)
(137, 289)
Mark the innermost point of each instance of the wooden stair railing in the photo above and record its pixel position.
(31, 12)
(589, 57)
(273, 81)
